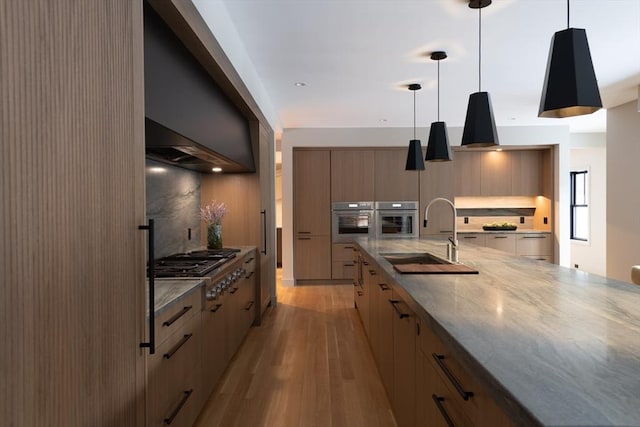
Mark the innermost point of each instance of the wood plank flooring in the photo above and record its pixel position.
(309, 364)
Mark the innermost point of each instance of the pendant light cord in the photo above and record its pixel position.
(479, 49)
(568, 10)
(438, 90)
(414, 114)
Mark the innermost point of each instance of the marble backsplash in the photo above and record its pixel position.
(173, 202)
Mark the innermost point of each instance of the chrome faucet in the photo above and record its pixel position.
(452, 248)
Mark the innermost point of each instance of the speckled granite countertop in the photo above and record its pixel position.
(169, 291)
(555, 346)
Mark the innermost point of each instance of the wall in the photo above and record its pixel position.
(623, 204)
(386, 137)
(173, 202)
(591, 256)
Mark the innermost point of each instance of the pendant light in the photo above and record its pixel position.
(479, 125)
(570, 86)
(414, 155)
(438, 149)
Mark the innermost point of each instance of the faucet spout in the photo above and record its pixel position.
(453, 256)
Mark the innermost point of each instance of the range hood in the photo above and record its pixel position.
(189, 121)
(167, 146)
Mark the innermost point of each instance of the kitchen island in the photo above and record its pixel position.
(553, 346)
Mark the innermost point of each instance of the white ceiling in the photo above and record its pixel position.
(356, 56)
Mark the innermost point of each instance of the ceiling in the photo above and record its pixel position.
(357, 56)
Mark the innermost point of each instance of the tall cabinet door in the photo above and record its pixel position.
(267, 248)
(352, 176)
(72, 298)
(312, 215)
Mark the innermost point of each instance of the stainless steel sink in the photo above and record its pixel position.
(414, 258)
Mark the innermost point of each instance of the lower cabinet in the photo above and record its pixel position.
(502, 242)
(342, 261)
(529, 245)
(404, 393)
(174, 378)
(312, 257)
(425, 382)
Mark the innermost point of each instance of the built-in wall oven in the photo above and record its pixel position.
(352, 219)
(396, 219)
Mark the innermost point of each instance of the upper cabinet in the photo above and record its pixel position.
(437, 180)
(392, 181)
(495, 173)
(502, 173)
(526, 172)
(467, 170)
(352, 175)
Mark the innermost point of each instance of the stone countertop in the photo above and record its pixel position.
(555, 346)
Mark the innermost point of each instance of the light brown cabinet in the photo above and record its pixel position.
(437, 180)
(467, 172)
(534, 245)
(381, 338)
(501, 241)
(404, 351)
(342, 261)
(175, 392)
(312, 214)
(312, 257)
(478, 239)
(526, 172)
(352, 175)
(392, 181)
(495, 173)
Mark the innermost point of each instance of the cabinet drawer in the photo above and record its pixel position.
(502, 242)
(342, 270)
(342, 252)
(429, 388)
(533, 244)
(173, 376)
(249, 263)
(176, 315)
(475, 238)
(479, 407)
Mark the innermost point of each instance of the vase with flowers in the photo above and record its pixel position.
(212, 215)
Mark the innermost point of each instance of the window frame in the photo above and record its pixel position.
(573, 205)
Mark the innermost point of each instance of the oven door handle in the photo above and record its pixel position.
(151, 345)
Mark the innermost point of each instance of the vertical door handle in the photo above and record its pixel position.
(151, 345)
(264, 231)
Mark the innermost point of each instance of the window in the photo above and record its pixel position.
(579, 206)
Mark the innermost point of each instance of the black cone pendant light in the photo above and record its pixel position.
(438, 149)
(570, 86)
(414, 155)
(479, 125)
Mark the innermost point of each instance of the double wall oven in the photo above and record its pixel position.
(396, 219)
(352, 219)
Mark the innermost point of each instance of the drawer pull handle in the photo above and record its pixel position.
(365, 263)
(177, 315)
(216, 308)
(395, 307)
(348, 247)
(249, 260)
(248, 307)
(500, 237)
(438, 401)
(304, 238)
(347, 265)
(304, 232)
(533, 237)
(383, 286)
(446, 231)
(360, 293)
(177, 346)
(372, 272)
(174, 414)
(233, 290)
(440, 361)
(249, 276)
(470, 237)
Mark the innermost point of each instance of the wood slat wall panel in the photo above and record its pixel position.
(72, 191)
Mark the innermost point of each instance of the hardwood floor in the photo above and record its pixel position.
(309, 364)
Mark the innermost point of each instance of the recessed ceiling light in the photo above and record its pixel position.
(299, 84)
(217, 169)
(382, 120)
